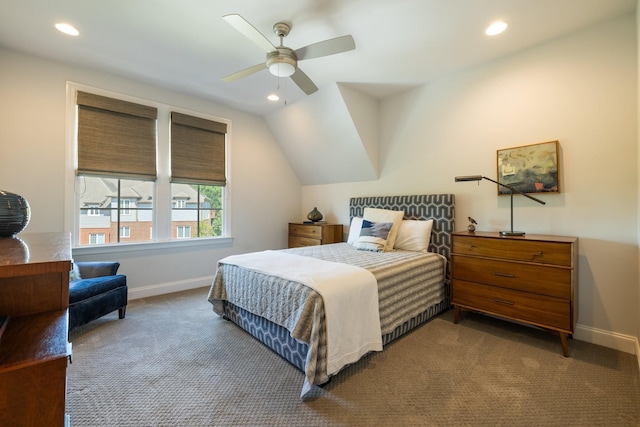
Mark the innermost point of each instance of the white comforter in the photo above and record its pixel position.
(349, 293)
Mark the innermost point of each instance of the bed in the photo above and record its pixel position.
(271, 295)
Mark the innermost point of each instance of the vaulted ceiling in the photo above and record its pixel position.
(188, 47)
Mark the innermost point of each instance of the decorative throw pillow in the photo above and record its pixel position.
(414, 235)
(74, 274)
(385, 215)
(373, 236)
(354, 230)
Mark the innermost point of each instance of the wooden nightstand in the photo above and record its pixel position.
(303, 234)
(531, 279)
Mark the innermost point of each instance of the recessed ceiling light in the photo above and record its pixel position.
(496, 28)
(67, 29)
(273, 97)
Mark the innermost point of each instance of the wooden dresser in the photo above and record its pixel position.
(34, 347)
(531, 279)
(304, 234)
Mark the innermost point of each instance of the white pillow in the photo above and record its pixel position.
(354, 230)
(414, 235)
(386, 215)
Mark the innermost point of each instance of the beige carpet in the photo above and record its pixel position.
(173, 362)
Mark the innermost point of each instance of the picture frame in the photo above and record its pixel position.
(530, 168)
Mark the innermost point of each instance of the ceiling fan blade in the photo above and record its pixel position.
(327, 47)
(244, 73)
(304, 82)
(249, 31)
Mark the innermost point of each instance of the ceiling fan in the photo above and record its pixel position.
(282, 61)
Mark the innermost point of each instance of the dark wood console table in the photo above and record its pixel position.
(34, 346)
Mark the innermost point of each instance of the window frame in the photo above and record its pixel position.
(161, 229)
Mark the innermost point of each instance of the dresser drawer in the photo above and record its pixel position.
(298, 242)
(539, 279)
(537, 309)
(518, 250)
(310, 231)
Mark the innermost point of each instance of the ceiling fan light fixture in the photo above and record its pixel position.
(282, 69)
(273, 97)
(282, 62)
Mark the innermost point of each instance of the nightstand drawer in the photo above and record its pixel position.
(543, 280)
(518, 250)
(310, 231)
(311, 234)
(298, 242)
(537, 309)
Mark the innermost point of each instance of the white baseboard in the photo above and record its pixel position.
(169, 287)
(614, 340)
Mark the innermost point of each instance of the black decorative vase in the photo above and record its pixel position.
(314, 215)
(14, 213)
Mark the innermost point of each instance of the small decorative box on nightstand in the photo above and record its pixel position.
(310, 234)
(531, 279)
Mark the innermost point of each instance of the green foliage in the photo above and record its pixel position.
(213, 194)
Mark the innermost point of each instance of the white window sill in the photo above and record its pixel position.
(152, 245)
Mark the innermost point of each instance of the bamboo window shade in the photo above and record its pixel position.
(116, 138)
(197, 150)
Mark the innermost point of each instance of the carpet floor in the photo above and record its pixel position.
(173, 362)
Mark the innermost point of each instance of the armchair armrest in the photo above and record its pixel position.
(89, 269)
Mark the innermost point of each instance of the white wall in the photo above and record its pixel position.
(579, 90)
(638, 112)
(265, 191)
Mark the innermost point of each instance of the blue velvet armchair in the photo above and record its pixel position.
(98, 291)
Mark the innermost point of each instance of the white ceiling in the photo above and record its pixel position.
(186, 45)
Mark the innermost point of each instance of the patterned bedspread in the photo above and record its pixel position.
(408, 282)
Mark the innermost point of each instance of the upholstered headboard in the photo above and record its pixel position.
(439, 207)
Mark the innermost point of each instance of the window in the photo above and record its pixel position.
(198, 206)
(125, 204)
(198, 174)
(96, 238)
(183, 232)
(117, 190)
(132, 217)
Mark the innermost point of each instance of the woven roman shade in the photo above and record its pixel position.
(116, 138)
(197, 150)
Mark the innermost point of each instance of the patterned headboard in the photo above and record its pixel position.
(439, 207)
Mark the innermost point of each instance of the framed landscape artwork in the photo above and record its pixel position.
(529, 168)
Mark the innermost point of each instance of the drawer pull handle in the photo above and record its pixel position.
(501, 301)
(510, 276)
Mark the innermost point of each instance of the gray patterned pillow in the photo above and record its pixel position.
(373, 236)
